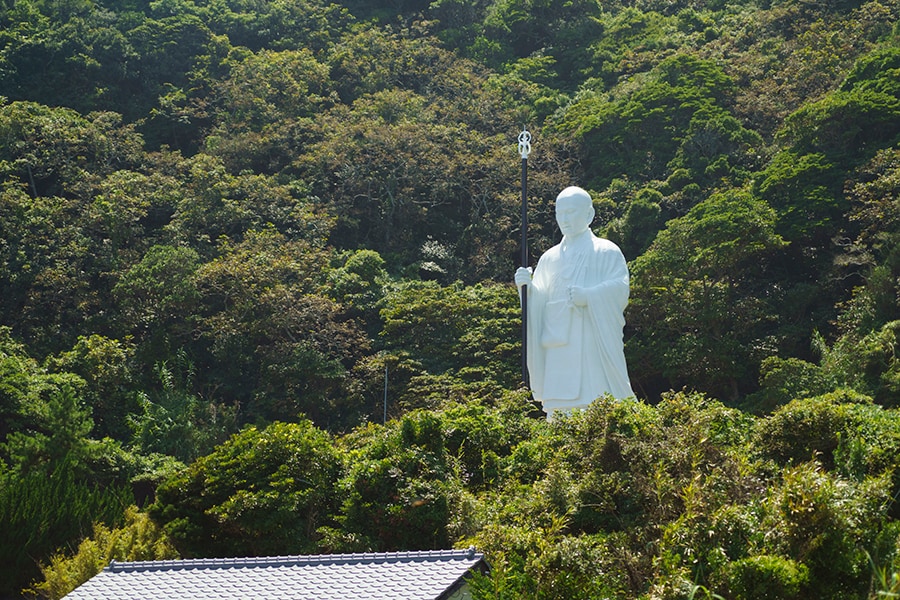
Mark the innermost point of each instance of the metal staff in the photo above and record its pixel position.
(524, 151)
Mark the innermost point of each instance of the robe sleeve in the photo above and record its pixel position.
(538, 293)
(607, 299)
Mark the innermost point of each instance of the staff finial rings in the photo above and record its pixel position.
(524, 143)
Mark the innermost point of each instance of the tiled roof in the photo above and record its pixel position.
(427, 575)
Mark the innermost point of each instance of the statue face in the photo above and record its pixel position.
(573, 215)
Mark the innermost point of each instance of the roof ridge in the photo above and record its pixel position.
(294, 560)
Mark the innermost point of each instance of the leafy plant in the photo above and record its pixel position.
(44, 509)
(263, 491)
(137, 539)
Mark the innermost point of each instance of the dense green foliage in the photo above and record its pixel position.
(230, 231)
(139, 538)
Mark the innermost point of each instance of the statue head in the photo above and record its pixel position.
(574, 211)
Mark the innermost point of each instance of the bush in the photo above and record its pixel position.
(396, 488)
(138, 539)
(261, 492)
(46, 509)
(829, 525)
(806, 429)
(767, 577)
(478, 437)
(783, 380)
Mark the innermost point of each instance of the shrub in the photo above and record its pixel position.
(397, 487)
(783, 380)
(46, 509)
(806, 429)
(767, 577)
(138, 539)
(827, 524)
(261, 492)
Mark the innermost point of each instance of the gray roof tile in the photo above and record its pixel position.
(424, 575)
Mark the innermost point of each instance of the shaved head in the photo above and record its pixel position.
(575, 194)
(574, 211)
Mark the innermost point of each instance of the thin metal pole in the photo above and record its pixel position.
(384, 422)
(524, 151)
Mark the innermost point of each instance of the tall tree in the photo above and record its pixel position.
(700, 311)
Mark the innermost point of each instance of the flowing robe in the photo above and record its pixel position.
(576, 353)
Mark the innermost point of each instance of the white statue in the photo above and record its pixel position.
(576, 300)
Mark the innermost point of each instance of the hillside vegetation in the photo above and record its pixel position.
(228, 226)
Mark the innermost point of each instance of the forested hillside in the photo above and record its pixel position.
(228, 226)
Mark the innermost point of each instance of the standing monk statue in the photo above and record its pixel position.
(576, 300)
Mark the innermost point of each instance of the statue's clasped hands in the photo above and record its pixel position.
(577, 295)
